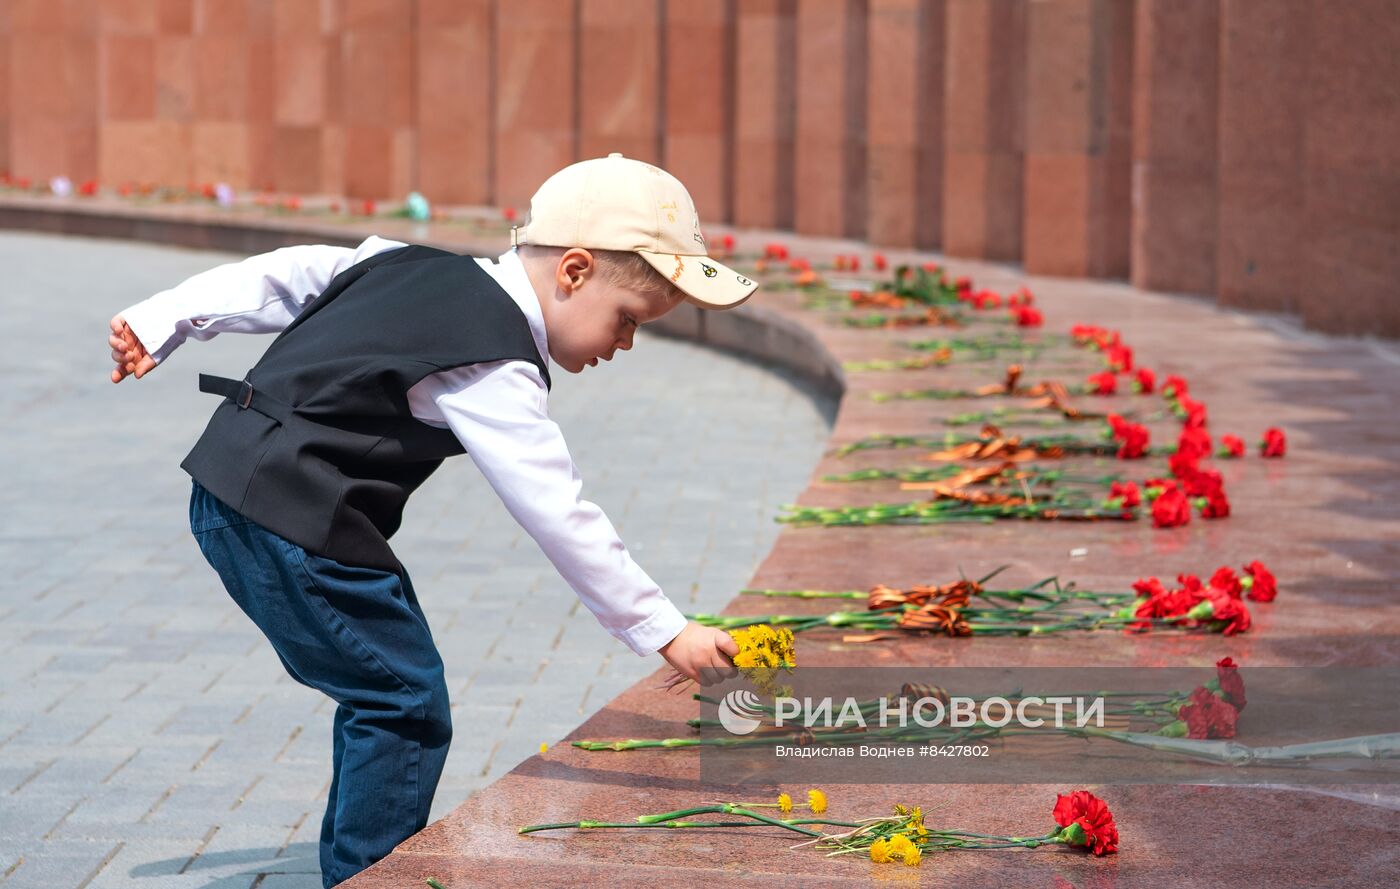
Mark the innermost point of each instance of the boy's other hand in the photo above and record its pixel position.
(128, 352)
(702, 654)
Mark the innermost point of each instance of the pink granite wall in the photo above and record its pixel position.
(698, 102)
(1241, 149)
(829, 151)
(984, 128)
(1351, 169)
(1175, 143)
(904, 123)
(1077, 185)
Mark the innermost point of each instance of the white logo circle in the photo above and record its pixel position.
(740, 711)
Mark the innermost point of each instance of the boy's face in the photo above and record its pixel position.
(588, 319)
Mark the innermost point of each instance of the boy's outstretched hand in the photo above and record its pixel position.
(128, 352)
(702, 654)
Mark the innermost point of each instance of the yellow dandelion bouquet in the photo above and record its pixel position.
(763, 652)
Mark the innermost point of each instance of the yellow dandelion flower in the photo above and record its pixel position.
(763, 651)
(880, 851)
(900, 810)
(816, 800)
(784, 802)
(913, 855)
(898, 844)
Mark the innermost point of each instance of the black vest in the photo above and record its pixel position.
(317, 442)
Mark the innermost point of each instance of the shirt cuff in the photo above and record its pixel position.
(153, 327)
(664, 624)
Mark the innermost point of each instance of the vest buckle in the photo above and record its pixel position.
(245, 395)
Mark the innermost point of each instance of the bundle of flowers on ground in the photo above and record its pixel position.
(967, 607)
(1081, 821)
(764, 652)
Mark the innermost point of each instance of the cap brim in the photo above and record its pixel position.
(705, 282)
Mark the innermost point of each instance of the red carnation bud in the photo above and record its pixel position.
(1145, 381)
(1225, 579)
(1273, 444)
(1027, 317)
(1207, 716)
(1087, 822)
(1127, 491)
(1103, 383)
(1259, 583)
(1231, 446)
(1170, 509)
(1227, 676)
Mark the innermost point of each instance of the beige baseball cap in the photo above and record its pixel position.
(617, 203)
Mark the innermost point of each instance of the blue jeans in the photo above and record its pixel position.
(358, 635)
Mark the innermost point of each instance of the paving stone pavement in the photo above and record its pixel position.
(148, 734)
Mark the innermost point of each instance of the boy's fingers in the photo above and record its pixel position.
(726, 644)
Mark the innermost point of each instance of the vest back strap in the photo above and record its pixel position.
(245, 396)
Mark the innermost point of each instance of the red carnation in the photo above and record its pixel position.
(1184, 464)
(1150, 587)
(1086, 821)
(1231, 446)
(1126, 490)
(1194, 440)
(1171, 509)
(1103, 383)
(1134, 439)
(1159, 603)
(1027, 316)
(1260, 583)
(1120, 359)
(1194, 411)
(1216, 505)
(1202, 483)
(1225, 579)
(1190, 583)
(1273, 444)
(1206, 716)
(1117, 425)
(1145, 382)
(879, 262)
(1227, 675)
(1218, 606)
(1174, 387)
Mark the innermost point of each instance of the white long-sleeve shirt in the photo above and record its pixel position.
(496, 409)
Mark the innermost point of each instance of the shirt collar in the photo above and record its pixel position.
(509, 272)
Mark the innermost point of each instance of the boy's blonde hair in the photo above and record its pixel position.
(621, 268)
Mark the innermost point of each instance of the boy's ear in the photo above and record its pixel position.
(574, 268)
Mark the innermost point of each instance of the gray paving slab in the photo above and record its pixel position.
(150, 737)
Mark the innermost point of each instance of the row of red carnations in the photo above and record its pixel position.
(1193, 603)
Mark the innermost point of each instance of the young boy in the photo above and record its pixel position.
(390, 358)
